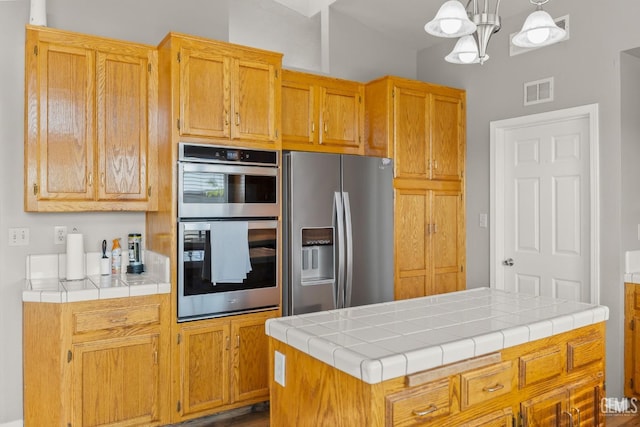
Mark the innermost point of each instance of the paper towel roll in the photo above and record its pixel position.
(38, 12)
(75, 256)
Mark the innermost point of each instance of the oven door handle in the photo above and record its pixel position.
(339, 224)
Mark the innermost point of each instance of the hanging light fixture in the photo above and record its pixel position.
(475, 28)
(539, 29)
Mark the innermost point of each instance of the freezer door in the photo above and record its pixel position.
(312, 181)
(368, 189)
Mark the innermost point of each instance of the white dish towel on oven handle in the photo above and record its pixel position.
(230, 260)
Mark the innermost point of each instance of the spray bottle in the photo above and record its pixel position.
(116, 257)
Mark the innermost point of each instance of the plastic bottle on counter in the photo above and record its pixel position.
(116, 257)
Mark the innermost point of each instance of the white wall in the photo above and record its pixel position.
(586, 70)
(630, 125)
(145, 21)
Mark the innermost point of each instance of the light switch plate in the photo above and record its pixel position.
(279, 368)
(482, 220)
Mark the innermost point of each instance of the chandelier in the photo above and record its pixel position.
(474, 28)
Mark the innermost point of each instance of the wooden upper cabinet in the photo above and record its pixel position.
(420, 125)
(205, 94)
(322, 113)
(226, 93)
(447, 136)
(90, 123)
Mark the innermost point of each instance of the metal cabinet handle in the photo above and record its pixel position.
(226, 118)
(570, 417)
(578, 413)
(313, 127)
(228, 341)
(435, 164)
(102, 179)
(326, 127)
(496, 387)
(432, 408)
(237, 341)
(90, 180)
(237, 119)
(508, 262)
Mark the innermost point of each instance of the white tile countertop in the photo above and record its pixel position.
(44, 279)
(383, 341)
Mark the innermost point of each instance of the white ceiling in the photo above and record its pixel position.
(404, 19)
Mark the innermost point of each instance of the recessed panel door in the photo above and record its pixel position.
(547, 210)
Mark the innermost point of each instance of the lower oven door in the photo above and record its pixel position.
(200, 293)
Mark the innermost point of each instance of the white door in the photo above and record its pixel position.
(543, 213)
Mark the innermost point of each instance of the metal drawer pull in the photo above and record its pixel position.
(119, 320)
(496, 387)
(432, 409)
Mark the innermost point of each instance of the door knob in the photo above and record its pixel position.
(508, 262)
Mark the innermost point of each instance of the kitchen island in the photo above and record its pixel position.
(475, 357)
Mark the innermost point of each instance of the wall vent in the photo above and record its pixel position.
(539, 91)
(562, 22)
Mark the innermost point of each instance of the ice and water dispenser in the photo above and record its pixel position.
(317, 255)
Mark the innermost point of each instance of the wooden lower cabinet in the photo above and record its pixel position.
(223, 364)
(96, 363)
(429, 240)
(116, 381)
(576, 404)
(632, 340)
(486, 391)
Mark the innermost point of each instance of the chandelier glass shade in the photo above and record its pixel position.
(474, 29)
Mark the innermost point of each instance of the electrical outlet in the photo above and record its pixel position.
(18, 236)
(279, 367)
(59, 235)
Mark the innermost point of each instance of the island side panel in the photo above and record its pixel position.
(318, 394)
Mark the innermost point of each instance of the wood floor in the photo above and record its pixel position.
(258, 416)
(252, 416)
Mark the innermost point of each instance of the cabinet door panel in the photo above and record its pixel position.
(107, 374)
(446, 129)
(122, 126)
(340, 118)
(411, 215)
(205, 358)
(205, 94)
(298, 115)
(546, 410)
(254, 103)
(585, 404)
(66, 121)
(446, 237)
(251, 360)
(411, 147)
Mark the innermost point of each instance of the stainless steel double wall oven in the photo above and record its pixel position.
(228, 232)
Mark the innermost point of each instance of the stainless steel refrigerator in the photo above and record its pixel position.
(337, 231)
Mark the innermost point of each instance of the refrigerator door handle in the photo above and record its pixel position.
(339, 225)
(349, 252)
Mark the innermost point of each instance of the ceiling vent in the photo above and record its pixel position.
(538, 91)
(562, 22)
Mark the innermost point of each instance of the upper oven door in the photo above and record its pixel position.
(219, 191)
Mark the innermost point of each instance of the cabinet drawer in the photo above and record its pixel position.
(487, 383)
(419, 405)
(540, 366)
(584, 352)
(88, 321)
